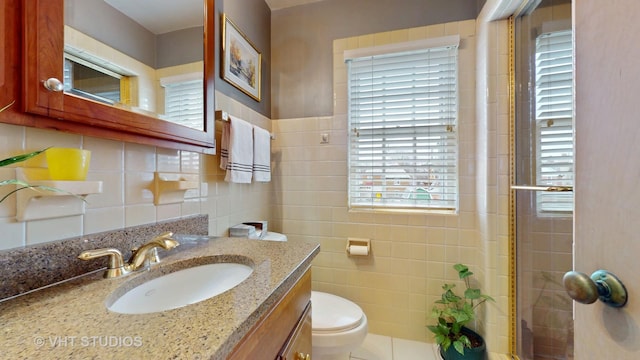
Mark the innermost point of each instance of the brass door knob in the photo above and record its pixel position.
(602, 285)
(301, 356)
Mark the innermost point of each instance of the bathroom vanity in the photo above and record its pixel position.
(285, 331)
(267, 316)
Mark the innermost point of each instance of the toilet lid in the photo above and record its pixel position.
(333, 313)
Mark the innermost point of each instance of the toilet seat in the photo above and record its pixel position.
(331, 313)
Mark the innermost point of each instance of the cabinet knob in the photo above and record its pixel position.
(601, 285)
(53, 84)
(301, 356)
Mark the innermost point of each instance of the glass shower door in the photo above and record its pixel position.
(544, 159)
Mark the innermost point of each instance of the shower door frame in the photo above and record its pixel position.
(522, 10)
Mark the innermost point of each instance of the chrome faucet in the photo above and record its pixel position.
(145, 254)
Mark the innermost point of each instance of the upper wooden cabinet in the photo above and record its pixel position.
(42, 58)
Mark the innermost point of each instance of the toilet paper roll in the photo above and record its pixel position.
(358, 250)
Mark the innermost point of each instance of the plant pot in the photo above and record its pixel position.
(474, 353)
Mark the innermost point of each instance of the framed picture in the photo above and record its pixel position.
(241, 61)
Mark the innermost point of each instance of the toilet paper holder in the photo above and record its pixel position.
(359, 243)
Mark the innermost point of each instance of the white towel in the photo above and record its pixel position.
(239, 161)
(261, 154)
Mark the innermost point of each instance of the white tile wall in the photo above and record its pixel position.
(126, 170)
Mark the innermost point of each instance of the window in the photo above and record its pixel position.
(402, 112)
(554, 119)
(97, 78)
(184, 100)
(92, 81)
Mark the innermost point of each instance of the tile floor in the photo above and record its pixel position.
(378, 347)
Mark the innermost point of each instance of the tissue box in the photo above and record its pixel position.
(260, 226)
(243, 230)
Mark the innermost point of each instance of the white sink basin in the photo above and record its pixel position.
(181, 288)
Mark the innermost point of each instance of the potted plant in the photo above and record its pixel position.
(453, 312)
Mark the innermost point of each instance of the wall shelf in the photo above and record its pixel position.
(169, 188)
(41, 203)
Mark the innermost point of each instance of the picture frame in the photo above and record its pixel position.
(241, 61)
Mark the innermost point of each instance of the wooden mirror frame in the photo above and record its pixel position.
(43, 46)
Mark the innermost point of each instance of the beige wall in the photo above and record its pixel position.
(302, 38)
(412, 254)
(127, 171)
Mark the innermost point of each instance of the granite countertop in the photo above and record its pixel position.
(70, 321)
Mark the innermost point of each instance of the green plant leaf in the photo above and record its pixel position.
(435, 312)
(467, 308)
(446, 342)
(463, 270)
(19, 158)
(450, 297)
(447, 287)
(459, 347)
(472, 294)
(465, 341)
(456, 328)
(442, 323)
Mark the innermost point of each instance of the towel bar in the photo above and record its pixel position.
(224, 116)
(551, 188)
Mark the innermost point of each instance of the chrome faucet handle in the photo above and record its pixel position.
(115, 266)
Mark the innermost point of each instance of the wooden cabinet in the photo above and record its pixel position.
(298, 347)
(284, 331)
(41, 24)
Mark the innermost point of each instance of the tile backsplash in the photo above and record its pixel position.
(32, 267)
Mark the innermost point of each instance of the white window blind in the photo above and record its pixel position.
(184, 103)
(403, 130)
(554, 119)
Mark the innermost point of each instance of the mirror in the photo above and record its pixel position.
(144, 56)
(43, 63)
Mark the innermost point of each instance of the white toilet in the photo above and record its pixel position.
(339, 326)
(274, 236)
